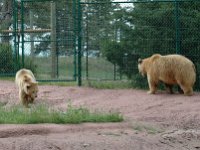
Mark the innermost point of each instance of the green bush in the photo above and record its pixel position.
(6, 58)
(118, 54)
(30, 64)
(138, 81)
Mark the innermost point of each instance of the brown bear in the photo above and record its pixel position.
(171, 70)
(28, 87)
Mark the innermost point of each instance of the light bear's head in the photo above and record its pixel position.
(31, 89)
(141, 67)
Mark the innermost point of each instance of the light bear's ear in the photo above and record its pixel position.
(27, 87)
(26, 79)
(139, 61)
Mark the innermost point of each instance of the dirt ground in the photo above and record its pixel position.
(152, 122)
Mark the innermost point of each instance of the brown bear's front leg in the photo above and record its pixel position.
(152, 85)
(169, 88)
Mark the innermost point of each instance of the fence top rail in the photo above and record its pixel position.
(26, 31)
(38, 0)
(145, 1)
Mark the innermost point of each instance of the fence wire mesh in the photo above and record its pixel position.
(7, 64)
(38, 35)
(49, 39)
(45, 36)
(122, 32)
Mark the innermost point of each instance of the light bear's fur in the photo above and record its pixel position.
(171, 70)
(28, 87)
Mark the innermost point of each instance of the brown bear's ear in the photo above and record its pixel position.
(139, 61)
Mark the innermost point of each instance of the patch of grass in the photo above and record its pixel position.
(7, 78)
(59, 83)
(122, 84)
(108, 84)
(150, 129)
(43, 114)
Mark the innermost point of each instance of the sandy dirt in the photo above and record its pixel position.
(152, 122)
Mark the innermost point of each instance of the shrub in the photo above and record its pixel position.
(6, 58)
(138, 81)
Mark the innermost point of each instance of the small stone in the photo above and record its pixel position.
(86, 145)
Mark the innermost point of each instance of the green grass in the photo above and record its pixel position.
(99, 68)
(108, 84)
(69, 83)
(43, 114)
(94, 84)
(7, 78)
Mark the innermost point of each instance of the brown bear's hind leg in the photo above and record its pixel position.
(180, 90)
(187, 90)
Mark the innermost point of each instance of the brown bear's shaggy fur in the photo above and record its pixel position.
(171, 70)
(28, 87)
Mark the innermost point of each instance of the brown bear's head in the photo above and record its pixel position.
(141, 67)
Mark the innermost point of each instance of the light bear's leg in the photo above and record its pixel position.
(152, 85)
(21, 95)
(23, 98)
(25, 101)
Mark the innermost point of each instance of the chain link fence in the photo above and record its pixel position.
(95, 39)
(121, 32)
(7, 64)
(39, 35)
(48, 39)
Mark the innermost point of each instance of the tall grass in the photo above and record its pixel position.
(98, 68)
(43, 114)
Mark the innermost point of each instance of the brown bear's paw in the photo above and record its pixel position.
(188, 93)
(151, 92)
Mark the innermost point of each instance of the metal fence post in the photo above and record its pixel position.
(74, 8)
(177, 26)
(79, 43)
(22, 31)
(16, 60)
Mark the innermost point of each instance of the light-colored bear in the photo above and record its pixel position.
(28, 87)
(170, 69)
